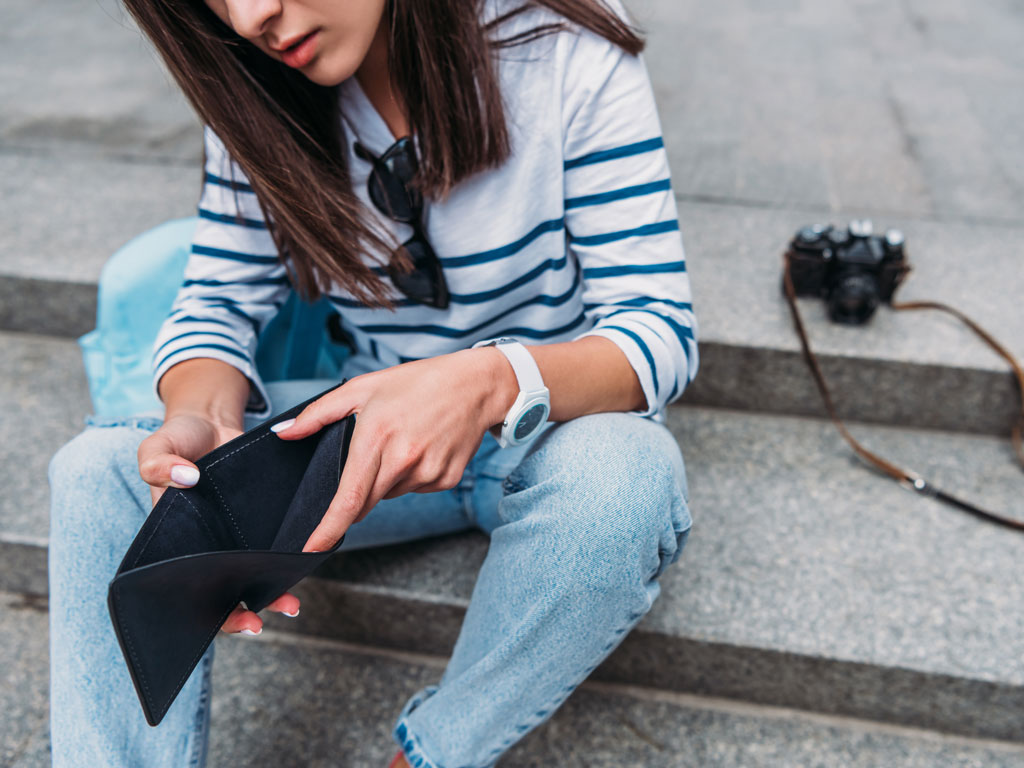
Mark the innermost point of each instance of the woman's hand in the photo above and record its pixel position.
(417, 427)
(166, 458)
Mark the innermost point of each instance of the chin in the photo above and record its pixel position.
(330, 73)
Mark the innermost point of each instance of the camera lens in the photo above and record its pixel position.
(854, 299)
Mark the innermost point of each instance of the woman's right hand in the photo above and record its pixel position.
(166, 458)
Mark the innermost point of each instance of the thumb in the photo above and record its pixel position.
(159, 466)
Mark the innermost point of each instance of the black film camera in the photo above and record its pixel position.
(852, 268)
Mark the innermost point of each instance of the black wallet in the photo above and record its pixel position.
(237, 535)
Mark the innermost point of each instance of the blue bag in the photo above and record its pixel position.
(137, 286)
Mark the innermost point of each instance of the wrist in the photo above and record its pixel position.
(223, 419)
(501, 387)
(205, 388)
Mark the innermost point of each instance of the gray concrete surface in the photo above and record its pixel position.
(284, 700)
(808, 580)
(45, 398)
(774, 115)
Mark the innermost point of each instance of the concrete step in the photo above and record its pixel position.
(345, 717)
(815, 112)
(911, 368)
(808, 581)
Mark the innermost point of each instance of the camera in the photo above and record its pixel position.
(852, 268)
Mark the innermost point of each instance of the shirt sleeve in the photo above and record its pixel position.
(234, 281)
(621, 217)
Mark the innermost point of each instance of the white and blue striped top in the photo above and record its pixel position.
(577, 234)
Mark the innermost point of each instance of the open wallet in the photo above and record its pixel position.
(237, 535)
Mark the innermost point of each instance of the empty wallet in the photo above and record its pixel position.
(237, 535)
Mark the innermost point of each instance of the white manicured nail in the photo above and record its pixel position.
(292, 615)
(249, 632)
(281, 425)
(185, 475)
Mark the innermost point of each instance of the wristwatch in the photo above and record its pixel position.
(530, 410)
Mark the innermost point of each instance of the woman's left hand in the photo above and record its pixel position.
(417, 426)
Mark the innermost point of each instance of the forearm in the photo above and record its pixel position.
(589, 375)
(203, 385)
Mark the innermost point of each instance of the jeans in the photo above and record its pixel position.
(582, 522)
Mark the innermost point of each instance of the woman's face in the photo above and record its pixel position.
(342, 32)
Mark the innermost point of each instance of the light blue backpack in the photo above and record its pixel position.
(137, 287)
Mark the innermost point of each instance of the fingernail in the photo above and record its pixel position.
(181, 473)
(281, 425)
(250, 632)
(292, 615)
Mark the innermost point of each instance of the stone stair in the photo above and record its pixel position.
(820, 615)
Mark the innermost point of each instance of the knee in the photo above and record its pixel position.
(621, 487)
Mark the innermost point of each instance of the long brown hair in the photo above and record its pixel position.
(286, 135)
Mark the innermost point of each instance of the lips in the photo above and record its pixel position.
(290, 44)
(296, 43)
(301, 52)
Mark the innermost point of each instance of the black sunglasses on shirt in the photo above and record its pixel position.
(390, 192)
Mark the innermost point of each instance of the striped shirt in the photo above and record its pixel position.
(577, 234)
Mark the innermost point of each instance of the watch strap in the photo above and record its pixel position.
(524, 366)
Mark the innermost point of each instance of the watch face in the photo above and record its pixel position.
(529, 421)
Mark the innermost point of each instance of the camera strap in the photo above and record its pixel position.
(908, 479)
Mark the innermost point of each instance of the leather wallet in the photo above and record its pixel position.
(237, 535)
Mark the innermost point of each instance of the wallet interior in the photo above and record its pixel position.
(265, 493)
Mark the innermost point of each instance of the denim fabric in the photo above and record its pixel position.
(582, 520)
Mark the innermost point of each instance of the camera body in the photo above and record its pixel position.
(852, 268)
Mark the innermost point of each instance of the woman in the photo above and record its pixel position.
(483, 194)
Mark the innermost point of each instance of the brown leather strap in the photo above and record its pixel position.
(906, 478)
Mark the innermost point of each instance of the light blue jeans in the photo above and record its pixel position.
(582, 522)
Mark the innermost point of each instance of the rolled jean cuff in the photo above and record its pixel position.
(406, 739)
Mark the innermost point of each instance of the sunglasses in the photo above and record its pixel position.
(389, 190)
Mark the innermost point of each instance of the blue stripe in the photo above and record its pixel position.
(533, 333)
(619, 194)
(220, 253)
(229, 305)
(191, 319)
(675, 390)
(455, 333)
(682, 332)
(554, 225)
(191, 333)
(642, 301)
(530, 333)
(282, 280)
(643, 348)
(225, 218)
(610, 237)
(234, 352)
(239, 185)
(472, 298)
(635, 269)
(626, 150)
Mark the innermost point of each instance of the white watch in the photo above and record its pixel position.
(530, 411)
